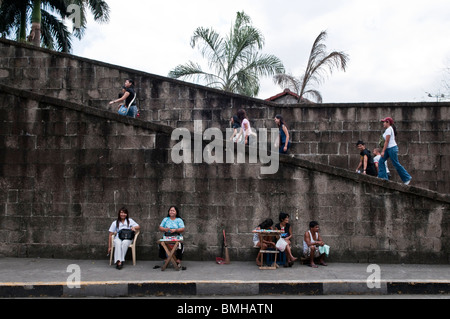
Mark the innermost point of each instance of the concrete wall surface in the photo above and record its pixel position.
(68, 163)
(66, 170)
(324, 133)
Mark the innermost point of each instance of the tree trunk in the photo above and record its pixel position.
(23, 24)
(35, 34)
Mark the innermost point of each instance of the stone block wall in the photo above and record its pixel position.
(66, 169)
(324, 133)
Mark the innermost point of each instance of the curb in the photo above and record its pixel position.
(142, 289)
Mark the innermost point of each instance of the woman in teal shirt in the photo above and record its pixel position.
(173, 224)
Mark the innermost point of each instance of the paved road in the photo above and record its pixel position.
(53, 278)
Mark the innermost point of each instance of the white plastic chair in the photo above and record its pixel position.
(132, 246)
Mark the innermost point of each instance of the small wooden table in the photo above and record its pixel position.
(176, 242)
(268, 233)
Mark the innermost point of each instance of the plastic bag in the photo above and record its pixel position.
(281, 245)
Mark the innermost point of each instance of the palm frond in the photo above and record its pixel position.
(316, 95)
(54, 33)
(287, 81)
(246, 83)
(100, 10)
(11, 18)
(212, 49)
(234, 62)
(320, 63)
(194, 71)
(266, 65)
(15, 17)
(212, 40)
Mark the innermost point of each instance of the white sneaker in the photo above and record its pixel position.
(407, 183)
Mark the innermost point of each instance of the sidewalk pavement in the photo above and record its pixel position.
(95, 278)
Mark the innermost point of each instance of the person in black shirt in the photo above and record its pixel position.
(284, 226)
(129, 96)
(236, 126)
(366, 161)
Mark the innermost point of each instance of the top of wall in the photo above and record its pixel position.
(323, 133)
(233, 95)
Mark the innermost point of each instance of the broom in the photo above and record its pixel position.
(227, 255)
(220, 260)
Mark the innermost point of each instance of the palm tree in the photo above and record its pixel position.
(47, 20)
(235, 62)
(13, 16)
(318, 64)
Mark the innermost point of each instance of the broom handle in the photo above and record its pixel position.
(223, 247)
(224, 239)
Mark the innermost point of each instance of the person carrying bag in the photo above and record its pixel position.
(125, 228)
(129, 108)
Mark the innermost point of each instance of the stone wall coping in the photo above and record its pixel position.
(233, 95)
(129, 70)
(159, 128)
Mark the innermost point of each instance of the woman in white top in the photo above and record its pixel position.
(390, 150)
(121, 246)
(245, 127)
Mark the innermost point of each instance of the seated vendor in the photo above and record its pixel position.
(313, 245)
(267, 242)
(284, 226)
(172, 225)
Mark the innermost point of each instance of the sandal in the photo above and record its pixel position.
(313, 266)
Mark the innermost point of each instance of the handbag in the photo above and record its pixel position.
(123, 110)
(126, 234)
(281, 245)
(381, 141)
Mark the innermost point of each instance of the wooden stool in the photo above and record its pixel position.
(274, 265)
(170, 253)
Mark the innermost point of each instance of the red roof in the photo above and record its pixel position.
(288, 92)
(284, 93)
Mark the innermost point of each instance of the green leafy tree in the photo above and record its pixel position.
(320, 62)
(235, 62)
(45, 20)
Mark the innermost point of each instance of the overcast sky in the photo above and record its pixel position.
(398, 48)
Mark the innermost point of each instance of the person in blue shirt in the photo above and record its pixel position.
(284, 142)
(173, 224)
